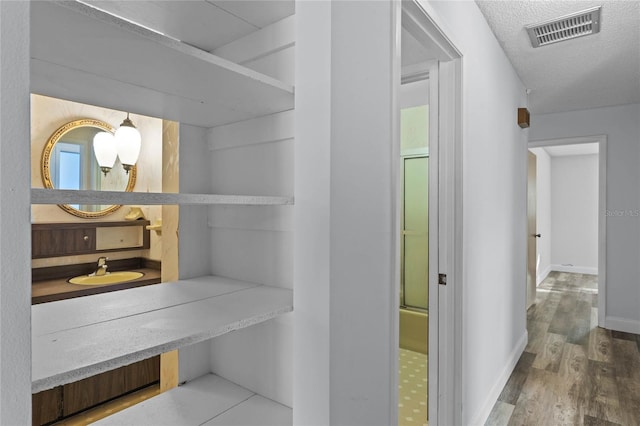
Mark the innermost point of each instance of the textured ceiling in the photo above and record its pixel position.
(587, 72)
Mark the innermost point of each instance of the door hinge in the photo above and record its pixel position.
(442, 279)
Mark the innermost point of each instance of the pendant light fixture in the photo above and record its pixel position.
(105, 150)
(128, 141)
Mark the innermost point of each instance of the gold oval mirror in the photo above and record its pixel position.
(69, 162)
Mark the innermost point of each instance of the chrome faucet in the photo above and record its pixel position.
(102, 266)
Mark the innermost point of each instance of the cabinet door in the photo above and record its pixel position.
(89, 392)
(95, 390)
(141, 374)
(62, 242)
(45, 242)
(46, 406)
(80, 240)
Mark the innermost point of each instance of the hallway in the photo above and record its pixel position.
(571, 372)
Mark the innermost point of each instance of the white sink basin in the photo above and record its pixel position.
(108, 278)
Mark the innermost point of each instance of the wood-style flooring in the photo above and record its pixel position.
(572, 372)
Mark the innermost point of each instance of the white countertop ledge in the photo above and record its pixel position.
(78, 338)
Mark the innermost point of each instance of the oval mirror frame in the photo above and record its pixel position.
(45, 165)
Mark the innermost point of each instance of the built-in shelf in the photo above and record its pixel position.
(72, 196)
(78, 338)
(207, 400)
(82, 54)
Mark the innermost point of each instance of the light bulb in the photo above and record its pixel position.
(105, 150)
(128, 141)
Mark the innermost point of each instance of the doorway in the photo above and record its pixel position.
(414, 255)
(428, 56)
(568, 254)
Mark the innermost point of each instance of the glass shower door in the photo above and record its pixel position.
(415, 233)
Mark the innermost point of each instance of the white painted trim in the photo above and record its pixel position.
(434, 251)
(575, 269)
(451, 377)
(538, 143)
(417, 18)
(269, 40)
(622, 324)
(415, 152)
(396, 203)
(602, 210)
(415, 72)
(543, 275)
(483, 414)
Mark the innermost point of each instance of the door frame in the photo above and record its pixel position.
(532, 285)
(602, 209)
(445, 214)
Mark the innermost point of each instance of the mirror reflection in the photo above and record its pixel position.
(69, 162)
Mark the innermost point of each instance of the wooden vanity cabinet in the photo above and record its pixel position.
(64, 401)
(46, 406)
(50, 242)
(76, 238)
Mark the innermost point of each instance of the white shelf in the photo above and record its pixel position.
(73, 340)
(85, 55)
(70, 196)
(208, 400)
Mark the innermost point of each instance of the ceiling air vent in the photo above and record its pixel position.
(566, 27)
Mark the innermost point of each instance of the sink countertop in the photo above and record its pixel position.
(59, 289)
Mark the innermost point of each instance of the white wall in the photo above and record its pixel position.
(15, 238)
(621, 124)
(345, 284)
(494, 209)
(255, 244)
(194, 241)
(574, 213)
(543, 213)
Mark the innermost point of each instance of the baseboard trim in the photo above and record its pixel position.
(575, 269)
(483, 414)
(622, 324)
(543, 275)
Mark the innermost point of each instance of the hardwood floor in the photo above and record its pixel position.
(572, 372)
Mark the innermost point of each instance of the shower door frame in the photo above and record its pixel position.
(415, 153)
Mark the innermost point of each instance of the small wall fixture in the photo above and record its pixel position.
(523, 117)
(157, 226)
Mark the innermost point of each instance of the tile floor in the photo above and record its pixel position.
(412, 400)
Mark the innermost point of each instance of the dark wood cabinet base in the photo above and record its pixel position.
(64, 401)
